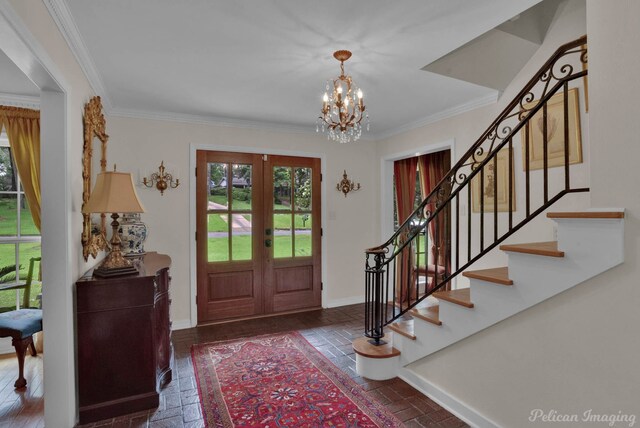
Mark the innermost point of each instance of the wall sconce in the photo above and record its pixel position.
(345, 186)
(162, 180)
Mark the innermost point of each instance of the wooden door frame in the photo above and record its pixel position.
(193, 277)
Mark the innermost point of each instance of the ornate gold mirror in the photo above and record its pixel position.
(93, 236)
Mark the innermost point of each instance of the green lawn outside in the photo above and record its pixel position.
(281, 220)
(7, 257)
(8, 226)
(218, 248)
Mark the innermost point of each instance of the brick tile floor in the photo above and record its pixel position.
(328, 330)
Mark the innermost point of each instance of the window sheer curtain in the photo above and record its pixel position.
(433, 167)
(23, 129)
(404, 173)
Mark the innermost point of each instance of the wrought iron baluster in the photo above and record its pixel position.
(495, 196)
(545, 152)
(567, 184)
(527, 168)
(510, 183)
(457, 231)
(481, 174)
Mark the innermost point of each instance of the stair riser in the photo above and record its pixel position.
(585, 237)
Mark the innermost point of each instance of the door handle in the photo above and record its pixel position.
(267, 243)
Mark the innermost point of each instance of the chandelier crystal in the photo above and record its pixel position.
(342, 106)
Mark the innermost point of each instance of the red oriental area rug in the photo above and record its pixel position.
(279, 380)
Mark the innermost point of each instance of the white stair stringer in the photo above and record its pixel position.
(591, 246)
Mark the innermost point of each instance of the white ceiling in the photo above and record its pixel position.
(266, 61)
(13, 81)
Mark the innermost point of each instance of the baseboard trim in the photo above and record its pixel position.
(180, 324)
(447, 401)
(344, 301)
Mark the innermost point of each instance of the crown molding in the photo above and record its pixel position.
(211, 120)
(59, 11)
(219, 121)
(444, 114)
(24, 101)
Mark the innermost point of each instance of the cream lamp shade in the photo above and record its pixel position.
(114, 192)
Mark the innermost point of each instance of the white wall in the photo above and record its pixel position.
(61, 160)
(577, 351)
(138, 146)
(568, 24)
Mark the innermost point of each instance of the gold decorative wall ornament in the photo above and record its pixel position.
(94, 129)
(161, 179)
(345, 186)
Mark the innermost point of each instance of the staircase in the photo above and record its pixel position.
(411, 310)
(589, 243)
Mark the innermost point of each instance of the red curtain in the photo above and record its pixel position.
(404, 172)
(433, 167)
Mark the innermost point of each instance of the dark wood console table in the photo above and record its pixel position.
(123, 340)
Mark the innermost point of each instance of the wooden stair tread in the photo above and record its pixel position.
(461, 296)
(587, 214)
(549, 249)
(361, 346)
(498, 275)
(430, 314)
(404, 328)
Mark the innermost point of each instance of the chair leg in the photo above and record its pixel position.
(21, 346)
(32, 346)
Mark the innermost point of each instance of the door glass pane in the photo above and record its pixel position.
(218, 238)
(302, 188)
(303, 235)
(283, 246)
(241, 237)
(8, 177)
(27, 227)
(241, 187)
(26, 252)
(282, 188)
(217, 185)
(8, 215)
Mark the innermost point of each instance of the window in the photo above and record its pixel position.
(19, 237)
(422, 254)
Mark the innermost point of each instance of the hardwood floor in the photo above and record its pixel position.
(21, 408)
(329, 330)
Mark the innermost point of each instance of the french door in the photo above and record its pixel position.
(258, 234)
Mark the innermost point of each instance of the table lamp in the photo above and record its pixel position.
(114, 193)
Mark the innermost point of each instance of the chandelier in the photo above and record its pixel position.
(342, 107)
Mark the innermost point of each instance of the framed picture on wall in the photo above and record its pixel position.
(493, 190)
(555, 133)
